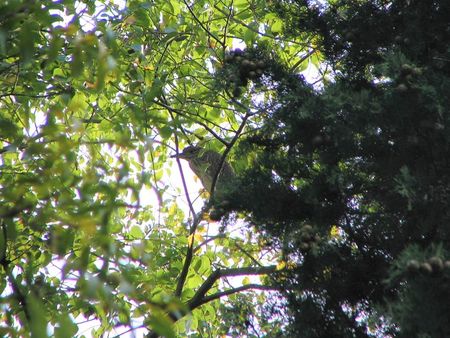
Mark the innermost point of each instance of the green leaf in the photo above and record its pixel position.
(38, 320)
(77, 65)
(154, 91)
(161, 324)
(78, 102)
(276, 27)
(28, 39)
(165, 132)
(66, 328)
(136, 232)
(55, 47)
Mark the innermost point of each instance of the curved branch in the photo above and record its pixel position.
(199, 297)
(232, 291)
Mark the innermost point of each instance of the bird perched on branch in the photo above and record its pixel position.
(206, 164)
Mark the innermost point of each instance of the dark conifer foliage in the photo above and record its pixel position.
(352, 180)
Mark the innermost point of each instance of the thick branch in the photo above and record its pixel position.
(199, 296)
(185, 269)
(232, 291)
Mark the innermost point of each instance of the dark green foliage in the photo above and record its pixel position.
(365, 163)
(356, 34)
(421, 307)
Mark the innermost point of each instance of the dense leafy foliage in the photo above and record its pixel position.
(356, 172)
(98, 233)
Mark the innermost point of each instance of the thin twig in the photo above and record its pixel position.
(202, 25)
(227, 150)
(204, 125)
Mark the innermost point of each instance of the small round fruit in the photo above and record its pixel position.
(306, 237)
(261, 64)
(406, 68)
(246, 63)
(238, 51)
(114, 279)
(426, 268)
(409, 78)
(304, 246)
(228, 58)
(416, 71)
(413, 265)
(402, 87)
(307, 227)
(317, 140)
(436, 263)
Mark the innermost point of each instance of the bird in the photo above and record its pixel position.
(205, 164)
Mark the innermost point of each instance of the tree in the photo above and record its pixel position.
(356, 170)
(94, 99)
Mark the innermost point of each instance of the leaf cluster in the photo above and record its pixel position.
(94, 98)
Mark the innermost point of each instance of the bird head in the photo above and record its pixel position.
(190, 152)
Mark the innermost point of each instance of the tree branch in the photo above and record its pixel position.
(302, 59)
(202, 25)
(204, 125)
(34, 96)
(185, 269)
(195, 221)
(199, 296)
(227, 150)
(228, 292)
(208, 240)
(242, 23)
